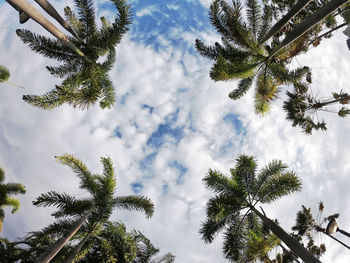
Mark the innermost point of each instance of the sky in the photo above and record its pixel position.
(170, 124)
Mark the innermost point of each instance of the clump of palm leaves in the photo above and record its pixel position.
(85, 81)
(241, 55)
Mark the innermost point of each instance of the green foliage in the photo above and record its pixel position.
(302, 107)
(5, 200)
(241, 57)
(84, 82)
(99, 205)
(230, 209)
(4, 73)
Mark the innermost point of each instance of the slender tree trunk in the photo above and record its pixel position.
(308, 23)
(52, 12)
(328, 32)
(291, 242)
(56, 247)
(39, 18)
(285, 19)
(76, 250)
(78, 247)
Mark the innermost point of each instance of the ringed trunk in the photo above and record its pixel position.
(53, 13)
(34, 14)
(285, 19)
(56, 247)
(309, 22)
(291, 242)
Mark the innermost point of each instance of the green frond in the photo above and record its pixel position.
(243, 87)
(234, 240)
(107, 65)
(135, 202)
(273, 168)
(47, 101)
(79, 168)
(74, 21)
(244, 172)
(278, 186)
(222, 205)
(110, 36)
(2, 216)
(2, 175)
(13, 189)
(107, 98)
(210, 228)
(233, 54)
(218, 183)
(266, 21)
(238, 30)
(4, 73)
(64, 70)
(14, 202)
(86, 13)
(47, 47)
(266, 91)
(224, 70)
(206, 51)
(53, 198)
(253, 16)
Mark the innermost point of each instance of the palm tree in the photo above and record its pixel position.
(32, 12)
(113, 244)
(308, 23)
(240, 56)
(233, 208)
(146, 251)
(302, 108)
(90, 213)
(84, 82)
(5, 75)
(5, 200)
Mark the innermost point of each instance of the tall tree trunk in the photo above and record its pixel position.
(291, 242)
(308, 23)
(39, 18)
(56, 247)
(52, 12)
(285, 19)
(78, 247)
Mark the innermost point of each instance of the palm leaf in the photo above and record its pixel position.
(135, 202)
(243, 86)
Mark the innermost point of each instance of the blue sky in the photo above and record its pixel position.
(170, 124)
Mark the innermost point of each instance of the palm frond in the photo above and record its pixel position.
(254, 16)
(266, 22)
(206, 51)
(13, 188)
(278, 186)
(243, 86)
(79, 168)
(218, 183)
(135, 202)
(14, 202)
(4, 73)
(210, 228)
(46, 46)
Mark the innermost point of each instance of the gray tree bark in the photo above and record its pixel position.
(285, 19)
(308, 23)
(34, 14)
(291, 242)
(56, 247)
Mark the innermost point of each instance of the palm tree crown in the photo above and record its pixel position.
(232, 209)
(5, 200)
(85, 81)
(97, 208)
(240, 56)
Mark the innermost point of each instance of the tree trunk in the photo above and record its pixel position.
(56, 247)
(34, 14)
(291, 242)
(53, 13)
(285, 19)
(308, 23)
(75, 250)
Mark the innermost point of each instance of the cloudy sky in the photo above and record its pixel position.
(170, 124)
